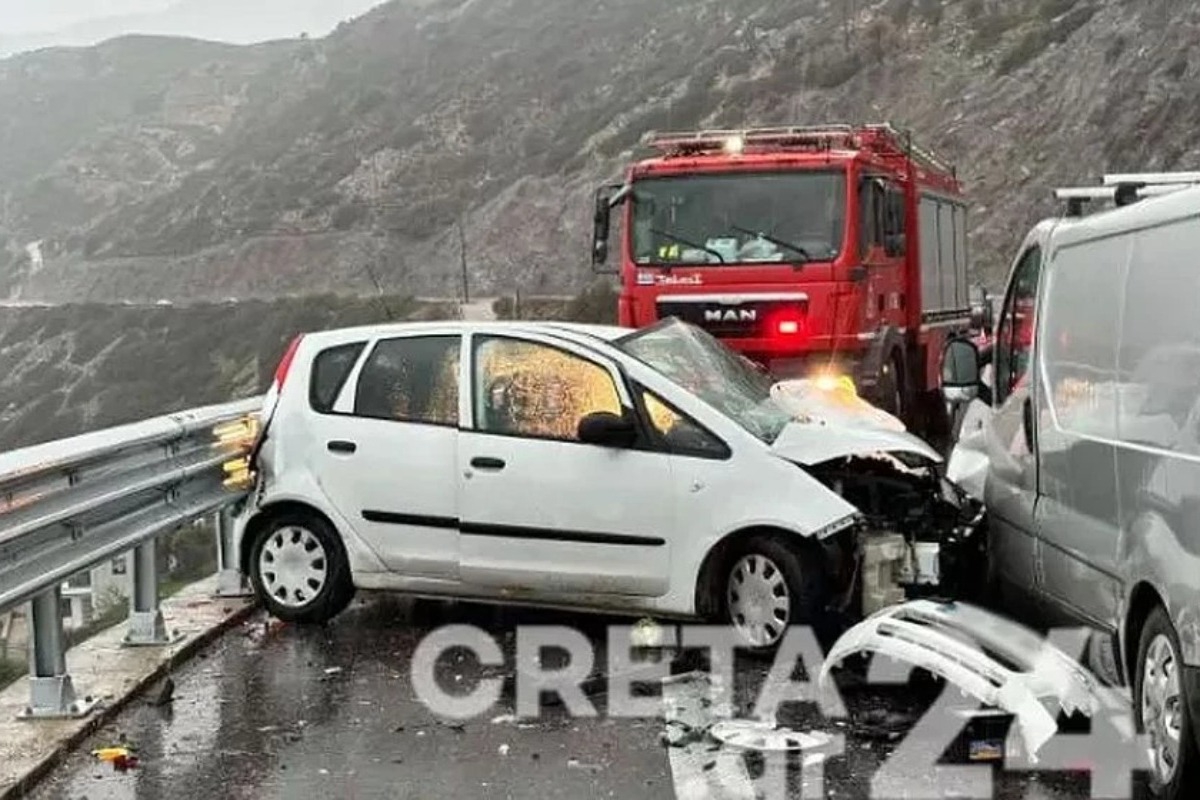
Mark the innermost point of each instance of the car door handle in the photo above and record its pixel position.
(338, 446)
(486, 463)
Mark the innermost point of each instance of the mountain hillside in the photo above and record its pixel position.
(330, 164)
(74, 368)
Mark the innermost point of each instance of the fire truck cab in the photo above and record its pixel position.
(837, 249)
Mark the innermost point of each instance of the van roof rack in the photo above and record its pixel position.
(1125, 188)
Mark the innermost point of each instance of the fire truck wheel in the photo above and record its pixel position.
(891, 389)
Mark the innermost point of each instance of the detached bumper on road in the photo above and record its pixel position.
(1028, 677)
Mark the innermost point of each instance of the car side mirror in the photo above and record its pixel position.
(960, 371)
(607, 430)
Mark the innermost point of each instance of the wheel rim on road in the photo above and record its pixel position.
(758, 600)
(293, 566)
(1162, 707)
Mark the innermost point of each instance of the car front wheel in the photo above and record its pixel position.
(299, 569)
(1162, 711)
(768, 586)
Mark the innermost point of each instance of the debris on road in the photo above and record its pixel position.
(165, 694)
(503, 750)
(574, 763)
(767, 737)
(122, 758)
(956, 642)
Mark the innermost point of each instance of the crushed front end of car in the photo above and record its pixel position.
(919, 535)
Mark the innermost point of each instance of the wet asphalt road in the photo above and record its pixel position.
(277, 711)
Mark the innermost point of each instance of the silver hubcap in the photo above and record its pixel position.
(758, 600)
(1162, 707)
(293, 566)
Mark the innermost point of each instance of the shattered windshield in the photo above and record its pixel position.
(740, 218)
(699, 363)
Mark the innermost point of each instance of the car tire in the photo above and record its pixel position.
(299, 569)
(769, 584)
(1161, 709)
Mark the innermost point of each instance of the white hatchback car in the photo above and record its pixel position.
(563, 465)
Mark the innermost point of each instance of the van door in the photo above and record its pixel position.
(1011, 492)
(1078, 511)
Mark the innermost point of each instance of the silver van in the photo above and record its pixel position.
(1088, 439)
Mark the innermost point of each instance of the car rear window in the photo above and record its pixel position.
(330, 369)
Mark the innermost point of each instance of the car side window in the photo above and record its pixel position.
(530, 389)
(678, 433)
(1014, 339)
(330, 369)
(412, 379)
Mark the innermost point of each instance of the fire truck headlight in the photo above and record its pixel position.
(735, 145)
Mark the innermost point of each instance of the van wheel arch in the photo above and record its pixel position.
(264, 518)
(1142, 602)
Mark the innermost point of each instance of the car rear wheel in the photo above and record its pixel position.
(1162, 711)
(299, 569)
(768, 586)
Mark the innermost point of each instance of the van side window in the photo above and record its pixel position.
(1159, 358)
(413, 379)
(1014, 340)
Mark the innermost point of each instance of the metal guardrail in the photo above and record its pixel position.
(69, 505)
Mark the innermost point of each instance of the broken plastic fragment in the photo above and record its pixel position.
(996, 661)
(767, 737)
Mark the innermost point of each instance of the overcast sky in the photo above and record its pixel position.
(39, 16)
(273, 18)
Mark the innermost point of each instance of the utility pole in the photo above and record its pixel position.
(462, 256)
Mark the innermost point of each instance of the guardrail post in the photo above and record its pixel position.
(230, 580)
(51, 693)
(146, 624)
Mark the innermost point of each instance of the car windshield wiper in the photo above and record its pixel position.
(686, 243)
(795, 248)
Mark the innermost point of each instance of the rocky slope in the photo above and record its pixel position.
(328, 165)
(78, 367)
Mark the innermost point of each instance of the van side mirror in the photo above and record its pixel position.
(960, 371)
(607, 430)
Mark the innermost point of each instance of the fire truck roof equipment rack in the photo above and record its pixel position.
(880, 138)
(1125, 189)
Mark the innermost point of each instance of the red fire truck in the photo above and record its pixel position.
(811, 251)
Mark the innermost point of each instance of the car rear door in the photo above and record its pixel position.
(541, 512)
(387, 453)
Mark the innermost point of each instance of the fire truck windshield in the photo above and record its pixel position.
(739, 218)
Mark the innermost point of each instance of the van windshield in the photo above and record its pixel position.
(739, 219)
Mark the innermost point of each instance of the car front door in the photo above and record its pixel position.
(541, 512)
(1011, 492)
(387, 453)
